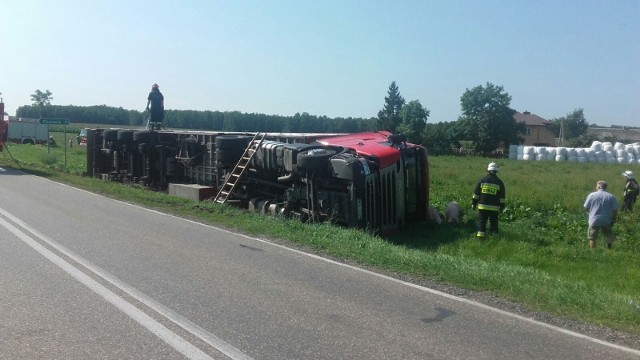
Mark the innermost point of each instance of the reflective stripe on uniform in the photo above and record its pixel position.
(488, 207)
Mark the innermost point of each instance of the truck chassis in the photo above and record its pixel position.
(372, 180)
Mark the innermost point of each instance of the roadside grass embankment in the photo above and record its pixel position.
(540, 259)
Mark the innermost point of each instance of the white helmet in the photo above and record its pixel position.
(493, 167)
(628, 174)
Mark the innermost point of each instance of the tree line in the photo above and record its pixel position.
(200, 120)
(486, 123)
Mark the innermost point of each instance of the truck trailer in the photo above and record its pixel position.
(371, 180)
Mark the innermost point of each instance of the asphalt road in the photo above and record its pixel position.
(86, 277)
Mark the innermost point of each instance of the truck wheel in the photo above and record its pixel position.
(125, 135)
(314, 158)
(110, 135)
(228, 157)
(145, 136)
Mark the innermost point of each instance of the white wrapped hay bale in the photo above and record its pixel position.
(630, 149)
(609, 154)
(581, 152)
(582, 159)
(618, 146)
(607, 146)
(513, 152)
(529, 150)
(541, 157)
(527, 157)
(561, 151)
(551, 153)
(560, 158)
(596, 146)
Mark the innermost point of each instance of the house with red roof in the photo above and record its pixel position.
(539, 132)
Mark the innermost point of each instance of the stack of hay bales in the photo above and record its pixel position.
(599, 152)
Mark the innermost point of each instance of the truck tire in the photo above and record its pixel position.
(125, 135)
(145, 136)
(110, 135)
(315, 158)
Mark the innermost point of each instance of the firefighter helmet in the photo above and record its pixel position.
(493, 167)
(628, 174)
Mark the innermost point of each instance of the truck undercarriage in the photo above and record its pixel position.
(372, 180)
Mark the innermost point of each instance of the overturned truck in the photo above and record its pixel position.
(373, 180)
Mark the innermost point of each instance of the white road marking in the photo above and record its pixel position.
(143, 319)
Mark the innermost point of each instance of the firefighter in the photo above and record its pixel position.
(631, 190)
(489, 198)
(155, 106)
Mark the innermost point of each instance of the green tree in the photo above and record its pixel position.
(438, 138)
(574, 124)
(41, 100)
(487, 120)
(413, 121)
(582, 141)
(389, 116)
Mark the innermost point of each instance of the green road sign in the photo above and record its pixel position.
(53, 121)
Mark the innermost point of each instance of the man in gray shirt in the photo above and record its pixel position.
(603, 210)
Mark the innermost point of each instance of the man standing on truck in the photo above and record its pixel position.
(489, 198)
(155, 106)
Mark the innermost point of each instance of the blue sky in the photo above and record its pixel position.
(334, 58)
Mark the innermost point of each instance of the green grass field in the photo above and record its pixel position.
(540, 259)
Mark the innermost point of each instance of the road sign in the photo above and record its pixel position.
(53, 121)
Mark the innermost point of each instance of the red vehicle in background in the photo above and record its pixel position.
(82, 136)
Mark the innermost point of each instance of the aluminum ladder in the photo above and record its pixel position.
(238, 171)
